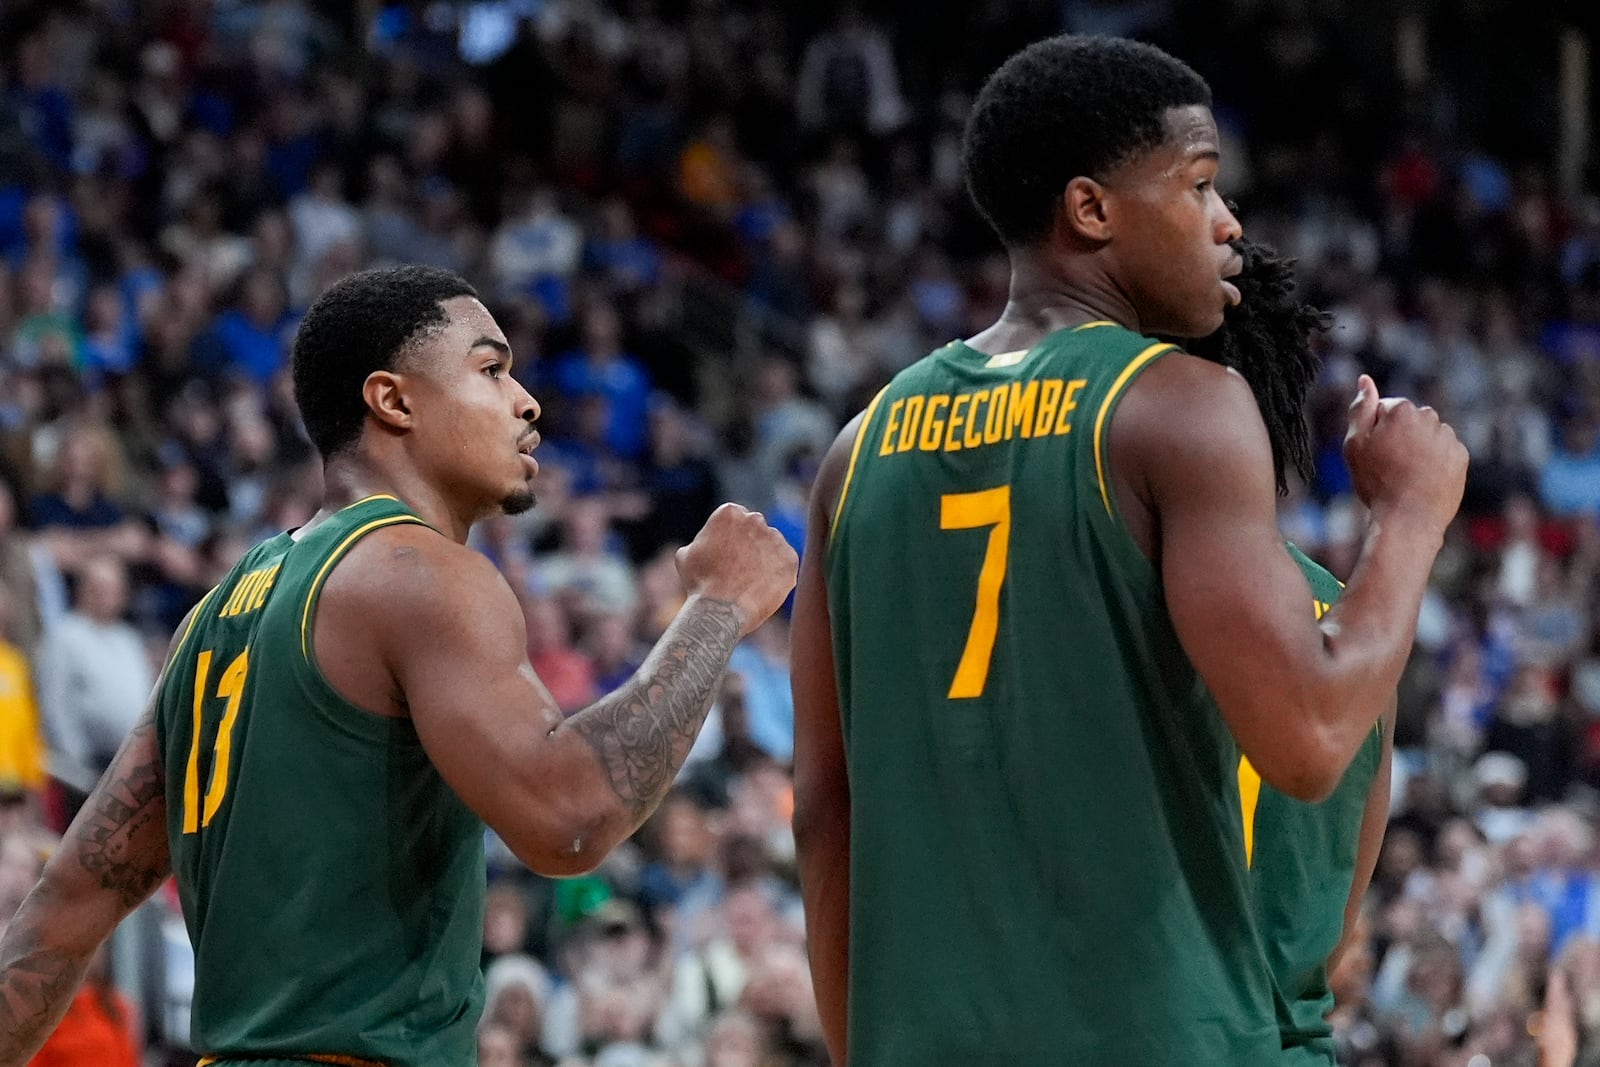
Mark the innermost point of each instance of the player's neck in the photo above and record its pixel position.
(1050, 293)
(347, 479)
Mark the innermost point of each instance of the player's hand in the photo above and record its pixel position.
(1403, 458)
(737, 557)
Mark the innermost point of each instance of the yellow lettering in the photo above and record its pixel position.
(894, 424)
(1022, 403)
(1069, 404)
(951, 442)
(1049, 397)
(994, 423)
(242, 594)
(232, 606)
(908, 429)
(933, 425)
(266, 587)
(974, 435)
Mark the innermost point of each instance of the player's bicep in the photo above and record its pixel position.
(456, 642)
(1236, 599)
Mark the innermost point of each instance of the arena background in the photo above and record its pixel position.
(710, 229)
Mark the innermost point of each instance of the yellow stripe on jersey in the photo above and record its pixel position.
(1249, 797)
(327, 565)
(1095, 325)
(1105, 406)
(855, 454)
(194, 617)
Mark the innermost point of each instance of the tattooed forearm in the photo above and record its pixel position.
(37, 982)
(643, 732)
(122, 833)
(114, 854)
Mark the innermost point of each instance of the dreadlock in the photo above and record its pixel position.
(1267, 339)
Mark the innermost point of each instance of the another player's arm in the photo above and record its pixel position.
(1299, 695)
(821, 784)
(1374, 821)
(562, 792)
(113, 857)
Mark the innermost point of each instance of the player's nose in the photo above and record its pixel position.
(527, 407)
(1228, 227)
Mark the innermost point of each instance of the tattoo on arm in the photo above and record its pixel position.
(114, 855)
(36, 983)
(122, 838)
(643, 732)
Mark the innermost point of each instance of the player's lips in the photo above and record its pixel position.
(525, 447)
(1232, 269)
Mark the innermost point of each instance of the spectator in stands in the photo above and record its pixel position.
(588, 572)
(79, 515)
(515, 991)
(565, 671)
(94, 671)
(22, 757)
(601, 367)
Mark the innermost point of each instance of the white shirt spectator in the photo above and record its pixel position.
(94, 674)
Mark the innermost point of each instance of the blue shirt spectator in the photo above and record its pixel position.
(601, 367)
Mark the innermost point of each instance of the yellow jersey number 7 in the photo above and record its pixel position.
(968, 511)
(231, 689)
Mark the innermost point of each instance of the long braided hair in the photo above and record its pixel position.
(1268, 340)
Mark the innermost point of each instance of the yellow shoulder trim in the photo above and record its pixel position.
(327, 565)
(855, 454)
(1105, 407)
(194, 617)
(1095, 325)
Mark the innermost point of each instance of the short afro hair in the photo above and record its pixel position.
(1063, 108)
(360, 324)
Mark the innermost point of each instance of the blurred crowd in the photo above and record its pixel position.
(711, 229)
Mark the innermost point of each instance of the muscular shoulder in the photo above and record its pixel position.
(1185, 407)
(407, 581)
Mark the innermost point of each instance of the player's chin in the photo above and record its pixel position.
(518, 500)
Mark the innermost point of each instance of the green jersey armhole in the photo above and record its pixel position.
(1102, 421)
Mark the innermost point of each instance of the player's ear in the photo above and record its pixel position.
(385, 394)
(1082, 211)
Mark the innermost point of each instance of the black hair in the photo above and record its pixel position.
(1267, 338)
(360, 324)
(1063, 108)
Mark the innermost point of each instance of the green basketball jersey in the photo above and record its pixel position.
(331, 882)
(1047, 859)
(1302, 863)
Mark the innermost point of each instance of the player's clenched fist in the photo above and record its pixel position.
(1403, 458)
(737, 557)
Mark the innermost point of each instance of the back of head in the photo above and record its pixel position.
(361, 324)
(1062, 108)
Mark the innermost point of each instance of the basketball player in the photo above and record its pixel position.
(337, 716)
(1040, 562)
(1310, 864)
